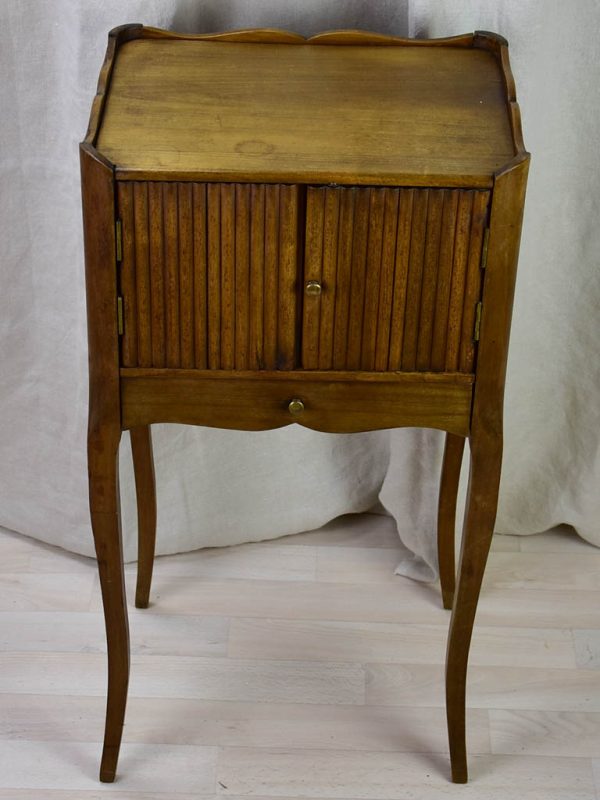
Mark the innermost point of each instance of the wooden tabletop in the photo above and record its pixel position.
(214, 110)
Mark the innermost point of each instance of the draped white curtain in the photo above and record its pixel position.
(219, 487)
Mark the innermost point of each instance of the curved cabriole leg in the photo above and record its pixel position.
(145, 488)
(453, 455)
(106, 526)
(480, 515)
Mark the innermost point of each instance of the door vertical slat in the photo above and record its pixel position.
(457, 286)
(343, 279)
(407, 197)
(242, 275)
(328, 296)
(271, 313)
(442, 298)
(256, 357)
(200, 261)
(473, 287)
(289, 285)
(415, 279)
(430, 269)
(129, 350)
(213, 201)
(386, 279)
(313, 264)
(172, 267)
(157, 273)
(186, 274)
(372, 278)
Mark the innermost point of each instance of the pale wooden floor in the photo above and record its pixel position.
(303, 668)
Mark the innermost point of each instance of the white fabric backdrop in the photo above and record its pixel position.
(218, 487)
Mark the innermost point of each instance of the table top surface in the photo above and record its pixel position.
(307, 113)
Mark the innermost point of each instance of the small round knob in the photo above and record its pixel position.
(296, 406)
(313, 288)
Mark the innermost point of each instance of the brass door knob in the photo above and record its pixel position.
(313, 288)
(296, 406)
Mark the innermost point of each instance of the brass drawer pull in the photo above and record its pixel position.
(296, 406)
(313, 288)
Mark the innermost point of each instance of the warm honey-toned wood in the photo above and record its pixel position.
(201, 277)
(145, 490)
(343, 279)
(256, 337)
(157, 273)
(386, 280)
(472, 291)
(429, 281)
(453, 455)
(329, 273)
(213, 270)
(405, 217)
(444, 280)
(396, 290)
(129, 351)
(313, 268)
(360, 242)
(416, 248)
(485, 443)
(371, 308)
(289, 297)
(242, 275)
(243, 165)
(227, 276)
(457, 286)
(186, 220)
(142, 276)
(288, 131)
(335, 402)
(104, 433)
(172, 267)
(271, 276)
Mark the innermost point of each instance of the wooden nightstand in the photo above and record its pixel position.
(322, 232)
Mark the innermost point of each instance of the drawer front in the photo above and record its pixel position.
(209, 275)
(399, 276)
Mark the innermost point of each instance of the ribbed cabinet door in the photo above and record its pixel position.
(209, 275)
(400, 278)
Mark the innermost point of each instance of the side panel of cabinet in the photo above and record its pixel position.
(400, 278)
(209, 275)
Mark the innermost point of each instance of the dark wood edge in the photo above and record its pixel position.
(342, 406)
(496, 44)
(249, 35)
(359, 37)
(116, 37)
(409, 180)
(104, 423)
(327, 376)
(278, 36)
(498, 294)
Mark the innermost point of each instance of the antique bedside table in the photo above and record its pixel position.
(319, 231)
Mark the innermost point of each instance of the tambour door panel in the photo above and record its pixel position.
(400, 278)
(210, 275)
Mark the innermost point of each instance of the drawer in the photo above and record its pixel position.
(223, 276)
(392, 277)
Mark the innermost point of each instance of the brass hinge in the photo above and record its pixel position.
(119, 240)
(484, 249)
(477, 327)
(120, 316)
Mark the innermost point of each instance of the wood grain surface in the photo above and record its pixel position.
(334, 402)
(400, 275)
(209, 275)
(412, 100)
